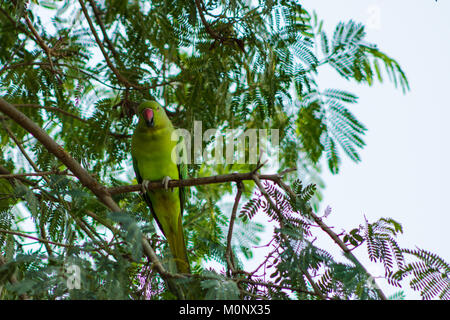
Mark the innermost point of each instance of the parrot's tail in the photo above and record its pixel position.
(178, 247)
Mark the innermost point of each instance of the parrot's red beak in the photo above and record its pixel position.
(148, 117)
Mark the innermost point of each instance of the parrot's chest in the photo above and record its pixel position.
(154, 154)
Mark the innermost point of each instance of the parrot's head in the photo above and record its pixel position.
(152, 115)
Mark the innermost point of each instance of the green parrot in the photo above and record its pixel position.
(151, 149)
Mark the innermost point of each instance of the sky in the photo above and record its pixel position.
(404, 172)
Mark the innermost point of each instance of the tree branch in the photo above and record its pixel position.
(59, 244)
(32, 174)
(229, 252)
(201, 8)
(102, 27)
(231, 177)
(43, 45)
(6, 65)
(55, 109)
(21, 148)
(36, 106)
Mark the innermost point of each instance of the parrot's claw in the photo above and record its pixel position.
(144, 186)
(165, 182)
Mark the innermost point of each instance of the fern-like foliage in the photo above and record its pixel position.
(381, 243)
(295, 257)
(354, 58)
(430, 274)
(325, 123)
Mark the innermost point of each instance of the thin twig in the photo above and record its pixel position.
(102, 27)
(269, 255)
(43, 45)
(229, 252)
(21, 148)
(61, 200)
(201, 9)
(33, 174)
(102, 48)
(36, 106)
(20, 234)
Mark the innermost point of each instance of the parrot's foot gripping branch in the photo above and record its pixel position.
(165, 182)
(144, 186)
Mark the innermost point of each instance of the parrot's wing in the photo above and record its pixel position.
(144, 194)
(182, 173)
(136, 170)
